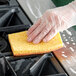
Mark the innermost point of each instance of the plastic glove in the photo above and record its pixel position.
(52, 21)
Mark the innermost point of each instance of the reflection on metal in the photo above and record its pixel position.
(68, 61)
(39, 14)
(73, 70)
(69, 33)
(72, 49)
(64, 55)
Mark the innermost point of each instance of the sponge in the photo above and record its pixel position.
(20, 46)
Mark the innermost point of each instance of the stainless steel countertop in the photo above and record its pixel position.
(35, 8)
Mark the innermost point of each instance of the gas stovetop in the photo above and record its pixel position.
(14, 19)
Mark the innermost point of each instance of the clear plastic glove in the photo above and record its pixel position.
(52, 21)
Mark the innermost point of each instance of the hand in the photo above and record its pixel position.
(52, 21)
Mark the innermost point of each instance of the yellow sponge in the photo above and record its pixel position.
(20, 46)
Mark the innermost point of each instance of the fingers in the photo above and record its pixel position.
(42, 34)
(48, 32)
(44, 29)
(33, 27)
(35, 33)
(50, 35)
(54, 29)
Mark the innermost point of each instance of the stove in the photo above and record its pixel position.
(58, 63)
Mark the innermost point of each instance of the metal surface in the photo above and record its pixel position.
(35, 8)
(67, 54)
